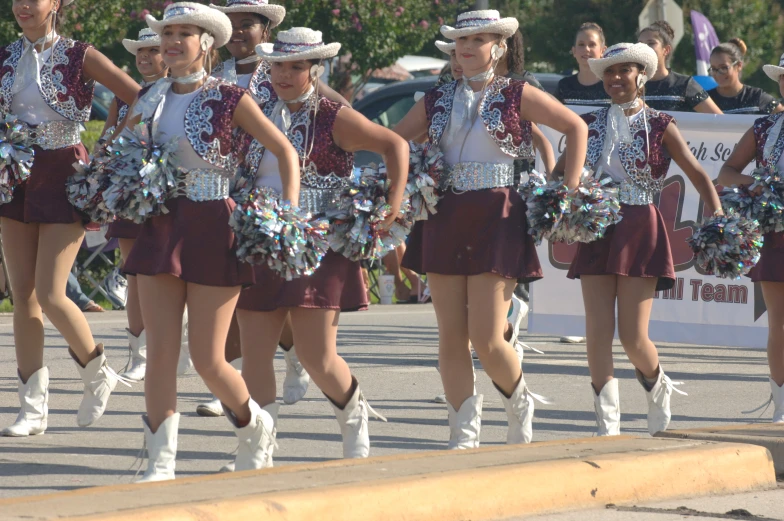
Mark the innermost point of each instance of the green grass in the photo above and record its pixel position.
(93, 133)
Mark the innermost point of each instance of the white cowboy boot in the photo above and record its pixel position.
(353, 421)
(778, 402)
(138, 346)
(33, 397)
(658, 396)
(607, 406)
(520, 413)
(465, 425)
(185, 363)
(214, 408)
(295, 385)
(257, 438)
(161, 449)
(99, 382)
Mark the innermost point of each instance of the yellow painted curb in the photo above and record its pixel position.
(643, 470)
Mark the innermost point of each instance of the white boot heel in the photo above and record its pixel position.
(161, 449)
(607, 406)
(257, 438)
(353, 422)
(465, 424)
(138, 346)
(34, 399)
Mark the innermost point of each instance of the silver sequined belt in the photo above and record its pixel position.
(54, 135)
(632, 194)
(466, 177)
(206, 184)
(318, 200)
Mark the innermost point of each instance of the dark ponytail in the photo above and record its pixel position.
(515, 53)
(664, 33)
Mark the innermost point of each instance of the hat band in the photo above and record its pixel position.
(177, 11)
(614, 52)
(474, 22)
(147, 37)
(293, 48)
(253, 3)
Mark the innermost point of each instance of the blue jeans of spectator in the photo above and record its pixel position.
(74, 292)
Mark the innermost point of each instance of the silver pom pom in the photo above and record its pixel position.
(727, 246)
(426, 166)
(16, 156)
(356, 220)
(272, 232)
(85, 190)
(142, 174)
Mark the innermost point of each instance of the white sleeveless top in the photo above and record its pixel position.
(172, 123)
(29, 106)
(243, 80)
(268, 173)
(479, 146)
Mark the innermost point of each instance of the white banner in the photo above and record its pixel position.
(700, 309)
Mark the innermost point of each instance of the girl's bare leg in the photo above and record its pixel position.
(259, 333)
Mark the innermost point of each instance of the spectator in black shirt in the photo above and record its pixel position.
(584, 88)
(667, 90)
(732, 96)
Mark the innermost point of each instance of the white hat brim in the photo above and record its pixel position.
(214, 22)
(506, 27)
(446, 47)
(649, 61)
(774, 72)
(265, 50)
(274, 13)
(133, 46)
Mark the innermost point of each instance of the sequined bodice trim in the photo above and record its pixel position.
(499, 110)
(761, 131)
(228, 72)
(62, 81)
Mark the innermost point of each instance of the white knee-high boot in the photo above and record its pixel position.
(138, 346)
(161, 449)
(608, 409)
(257, 438)
(465, 424)
(658, 395)
(353, 422)
(33, 398)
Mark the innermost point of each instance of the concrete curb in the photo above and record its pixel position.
(768, 435)
(488, 484)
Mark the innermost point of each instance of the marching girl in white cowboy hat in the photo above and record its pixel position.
(634, 145)
(186, 256)
(326, 134)
(47, 85)
(252, 22)
(149, 63)
(764, 143)
(477, 247)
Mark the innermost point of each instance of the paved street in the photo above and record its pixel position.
(392, 350)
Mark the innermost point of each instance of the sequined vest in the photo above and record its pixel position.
(647, 172)
(328, 165)
(122, 110)
(761, 131)
(227, 71)
(499, 110)
(208, 123)
(63, 85)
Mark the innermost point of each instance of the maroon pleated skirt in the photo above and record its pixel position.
(42, 198)
(123, 229)
(193, 242)
(337, 284)
(638, 246)
(770, 267)
(482, 231)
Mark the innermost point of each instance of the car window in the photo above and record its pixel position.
(389, 111)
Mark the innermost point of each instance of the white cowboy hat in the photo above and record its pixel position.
(274, 13)
(775, 71)
(211, 20)
(298, 43)
(446, 47)
(147, 38)
(626, 53)
(475, 22)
